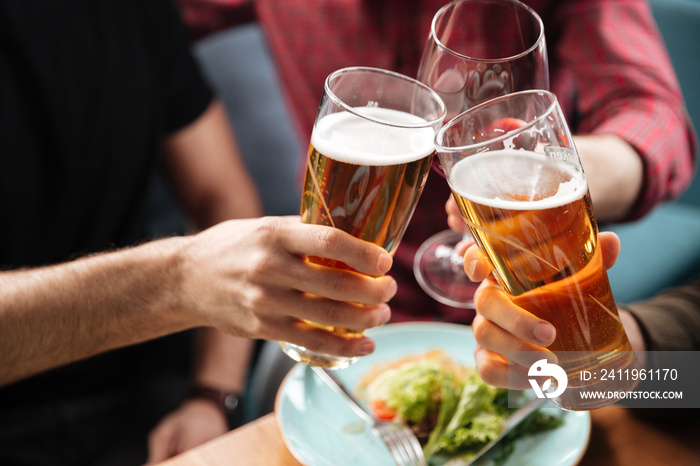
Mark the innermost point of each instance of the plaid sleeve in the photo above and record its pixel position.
(627, 86)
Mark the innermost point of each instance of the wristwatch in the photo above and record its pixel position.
(230, 403)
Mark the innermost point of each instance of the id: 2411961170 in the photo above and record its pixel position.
(633, 374)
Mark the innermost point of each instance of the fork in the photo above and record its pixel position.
(511, 423)
(398, 437)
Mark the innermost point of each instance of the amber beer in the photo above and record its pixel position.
(537, 226)
(365, 179)
(369, 196)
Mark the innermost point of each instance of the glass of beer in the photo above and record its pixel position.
(371, 150)
(513, 168)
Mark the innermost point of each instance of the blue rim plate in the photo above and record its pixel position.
(321, 430)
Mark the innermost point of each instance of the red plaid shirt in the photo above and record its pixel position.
(608, 66)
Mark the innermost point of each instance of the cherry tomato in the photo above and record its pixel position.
(382, 411)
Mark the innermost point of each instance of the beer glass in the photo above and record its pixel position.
(513, 168)
(476, 50)
(371, 150)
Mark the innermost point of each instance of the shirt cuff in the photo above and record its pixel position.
(671, 320)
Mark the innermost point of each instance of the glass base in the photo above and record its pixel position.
(439, 270)
(312, 358)
(600, 386)
(579, 398)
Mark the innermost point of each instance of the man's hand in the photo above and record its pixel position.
(250, 278)
(195, 422)
(501, 327)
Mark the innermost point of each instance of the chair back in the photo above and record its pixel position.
(679, 24)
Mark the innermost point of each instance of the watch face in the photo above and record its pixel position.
(235, 411)
(230, 402)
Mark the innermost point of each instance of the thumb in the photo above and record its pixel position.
(610, 247)
(476, 265)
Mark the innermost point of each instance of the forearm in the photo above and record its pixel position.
(55, 315)
(671, 320)
(614, 171)
(626, 87)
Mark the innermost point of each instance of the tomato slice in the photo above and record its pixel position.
(382, 411)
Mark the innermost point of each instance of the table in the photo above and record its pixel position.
(619, 437)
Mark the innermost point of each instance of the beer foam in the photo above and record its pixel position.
(346, 137)
(532, 181)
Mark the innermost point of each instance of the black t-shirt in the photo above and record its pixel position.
(88, 89)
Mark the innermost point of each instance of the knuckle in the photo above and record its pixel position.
(348, 347)
(343, 285)
(365, 318)
(262, 265)
(328, 239)
(483, 330)
(316, 343)
(376, 317)
(478, 329)
(335, 312)
(268, 227)
(256, 299)
(485, 300)
(371, 291)
(256, 327)
(488, 368)
(489, 373)
(522, 326)
(367, 253)
(377, 292)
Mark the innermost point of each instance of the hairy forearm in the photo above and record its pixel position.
(54, 315)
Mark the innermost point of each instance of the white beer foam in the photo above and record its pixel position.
(484, 177)
(352, 139)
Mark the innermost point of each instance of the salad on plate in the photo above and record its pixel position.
(451, 410)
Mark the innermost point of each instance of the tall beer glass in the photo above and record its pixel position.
(515, 173)
(370, 154)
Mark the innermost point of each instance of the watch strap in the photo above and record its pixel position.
(226, 401)
(230, 403)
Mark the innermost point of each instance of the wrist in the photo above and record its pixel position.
(169, 255)
(229, 403)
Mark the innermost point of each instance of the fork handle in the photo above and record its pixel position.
(335, 384)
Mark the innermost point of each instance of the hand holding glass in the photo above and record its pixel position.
(370, 154)
(513, 169)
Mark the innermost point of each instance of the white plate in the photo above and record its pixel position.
(319, 428)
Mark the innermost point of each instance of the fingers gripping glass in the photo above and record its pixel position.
(522, 192)
(477, 50)
(371, 150)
